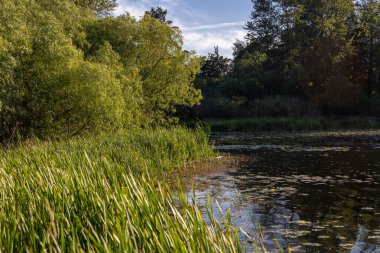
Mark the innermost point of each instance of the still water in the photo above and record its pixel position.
(317, 192)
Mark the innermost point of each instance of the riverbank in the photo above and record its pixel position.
(106, 194)
(291, 124)
(224, 163)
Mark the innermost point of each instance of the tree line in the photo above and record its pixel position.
(315, 54)
(68, 67)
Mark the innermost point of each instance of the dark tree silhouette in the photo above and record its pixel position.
(101, 7)
(215, 65)
(160, 14)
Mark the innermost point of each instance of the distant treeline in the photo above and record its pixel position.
(299, 58)
(69, 67)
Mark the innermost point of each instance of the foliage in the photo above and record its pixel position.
(367, 36)
(160, 14)
(223, 107)
(64, 71)
(50, 90)
(215, 65)
(101, 7)
(284, 107)
(165, 71)
(327, 51)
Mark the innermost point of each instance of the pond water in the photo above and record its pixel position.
(317, 192)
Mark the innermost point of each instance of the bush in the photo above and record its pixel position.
(284, 107)
(222, 107)
(369, 106)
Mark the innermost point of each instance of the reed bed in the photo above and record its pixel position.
(101, 194)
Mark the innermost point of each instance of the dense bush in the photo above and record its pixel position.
(280, 106)
(64, 71)
(369, 106)
(222, 107)
(238, 107)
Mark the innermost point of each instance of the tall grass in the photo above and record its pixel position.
(98, 195)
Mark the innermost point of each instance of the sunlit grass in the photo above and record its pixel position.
(100, 195)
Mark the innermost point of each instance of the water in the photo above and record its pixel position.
(316, 192)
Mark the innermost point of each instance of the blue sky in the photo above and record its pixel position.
(205, 24)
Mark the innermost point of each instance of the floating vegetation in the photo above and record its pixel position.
(322, 183)
(285, 148)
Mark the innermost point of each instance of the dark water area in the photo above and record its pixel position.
(317, 192)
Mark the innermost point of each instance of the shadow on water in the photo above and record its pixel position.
(315, 192)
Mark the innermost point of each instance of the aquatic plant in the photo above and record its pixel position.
(96, 195)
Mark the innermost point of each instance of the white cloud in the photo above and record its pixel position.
(213, 26)
(201, 38)
(204, 42)
(137, 8)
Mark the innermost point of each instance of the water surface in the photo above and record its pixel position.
(317, 192)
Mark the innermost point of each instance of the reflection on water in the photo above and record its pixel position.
(318, 193)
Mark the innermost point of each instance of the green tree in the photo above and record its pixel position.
(101, 7)
(160, 14)
(327, 49)
(46, 87)
(215, 65)
(165, 71)
(368, 40)
(305, 44)
(264, 27)
(67, 70)
(130, 84)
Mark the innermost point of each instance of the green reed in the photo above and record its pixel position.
(101, 194)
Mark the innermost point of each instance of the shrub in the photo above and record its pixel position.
(223, 107)
(284, 107)
(369, 106)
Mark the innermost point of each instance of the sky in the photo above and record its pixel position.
(205, 23)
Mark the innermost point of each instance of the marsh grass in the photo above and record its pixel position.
(101, 194)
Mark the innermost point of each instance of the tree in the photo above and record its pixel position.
(160, 14)
(64, 70)
(327, 50)
(264, 27)
(313, 38)
(268, 46)
(368, 40)
(101, 7)
(215, 65)
(167, 71)
(154, 50)
(47, 88)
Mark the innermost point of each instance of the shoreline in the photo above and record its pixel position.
(291, 124)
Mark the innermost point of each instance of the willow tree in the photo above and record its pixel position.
(47, 88)
(154, 51)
